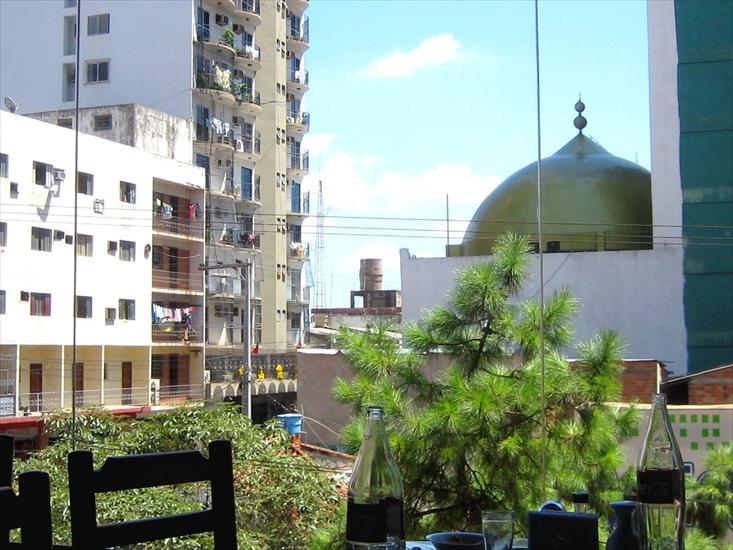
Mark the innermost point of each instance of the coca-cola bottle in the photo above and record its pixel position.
(375, 509)
(660, 484)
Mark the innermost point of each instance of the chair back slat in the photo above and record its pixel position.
(120, 473)
(152, 470)
(29, 511)
(142, 530)
(7, 450)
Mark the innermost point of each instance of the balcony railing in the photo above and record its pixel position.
(177, 280)
(298, 161)
(175, 332)
(300, 207)
(300, 76)
(303, 118)
(295, 336)
(248, 143)
(248, 51)
(298, 294)
(7, 404)
(299, 250)
(178, 225)
(222, 81)
(298, 29)
(250, 191)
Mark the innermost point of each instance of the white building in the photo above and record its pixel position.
(123, 273)
(235, 69)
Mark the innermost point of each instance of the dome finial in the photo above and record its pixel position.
(580, 121)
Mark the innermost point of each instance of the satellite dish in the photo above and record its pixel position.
(10, 104)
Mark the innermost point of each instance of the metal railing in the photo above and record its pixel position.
(299, 206)
(303, 118)
(181, 391)
(298, 294)
(175, 332)
(295, 336)
(300, 76)
(299, 250)
(178, 225)
(248, 51)
(224, 82)
(177, 280)
(244, 143)
(250, 191)
(298, 29)
(298, 161)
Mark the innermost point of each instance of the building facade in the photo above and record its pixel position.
(139, 312)
(235, 70)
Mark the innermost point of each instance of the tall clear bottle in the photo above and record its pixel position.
(375, 509)
(660, 484)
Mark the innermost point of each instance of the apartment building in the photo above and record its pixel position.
(236, 70)
(137, 290)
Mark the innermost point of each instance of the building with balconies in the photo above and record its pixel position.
(235, 71)
(100, 289)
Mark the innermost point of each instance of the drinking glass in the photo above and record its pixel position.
(498, 528)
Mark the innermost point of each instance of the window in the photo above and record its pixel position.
(127, 310)
(40, 304)
(84, 245)
(69, 35)
(102, 122)
(85, 184)
(64, 122)
(41, 239)
(68, 82)
(127, 251)
(42, 173)
(202, 25)
(84, 307)
(69, 3)
(4, 163)
(2, 302)
(127, 192)
(3, 234)
(97, 71)
(98, 24)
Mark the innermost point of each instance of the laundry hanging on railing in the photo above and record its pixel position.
(163, 314)
(215, 124)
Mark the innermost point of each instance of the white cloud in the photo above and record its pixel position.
(317, 144)
(431, 51)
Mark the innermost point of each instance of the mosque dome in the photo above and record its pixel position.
(592, 200)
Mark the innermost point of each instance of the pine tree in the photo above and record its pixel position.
(470, 438)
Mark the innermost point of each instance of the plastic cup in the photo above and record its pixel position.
(498, 529)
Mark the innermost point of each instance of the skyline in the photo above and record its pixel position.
(434, 73)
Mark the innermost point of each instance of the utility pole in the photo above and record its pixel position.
(245, 270)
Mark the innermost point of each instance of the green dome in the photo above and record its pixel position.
(591, 199)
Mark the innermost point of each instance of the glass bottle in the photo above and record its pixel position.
(660, 484)
(581, 502)
(375, 509)
(623, 537)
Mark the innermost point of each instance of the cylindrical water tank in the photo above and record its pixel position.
(370, 274)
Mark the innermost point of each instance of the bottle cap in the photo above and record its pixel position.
(623, 504)
(581, 497)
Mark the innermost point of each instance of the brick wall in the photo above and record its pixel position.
(712, 388)
(639, 380)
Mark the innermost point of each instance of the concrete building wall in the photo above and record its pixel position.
(624, 291)
(32, 42)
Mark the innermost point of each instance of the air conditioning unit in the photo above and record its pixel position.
(237, 28)
(155, 391)
(222, 19)
(59, 174)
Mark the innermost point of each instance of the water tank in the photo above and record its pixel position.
(370, 274)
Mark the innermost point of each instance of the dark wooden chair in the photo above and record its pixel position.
(152, 470)
(30, 509)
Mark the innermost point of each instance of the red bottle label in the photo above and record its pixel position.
(658, 486)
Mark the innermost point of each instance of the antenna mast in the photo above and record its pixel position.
(320, 249)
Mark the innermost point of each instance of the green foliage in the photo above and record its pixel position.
(710, 500)
(695, 539)
(470, 437)
(281, 499)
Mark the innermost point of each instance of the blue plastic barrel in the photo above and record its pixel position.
(292, 422)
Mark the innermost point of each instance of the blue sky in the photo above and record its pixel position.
(411, 100)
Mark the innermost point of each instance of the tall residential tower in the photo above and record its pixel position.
(235, 69)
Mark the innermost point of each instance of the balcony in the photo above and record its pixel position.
(178, 226)
(299, 206)
(298, 164)
(249, 56)
(295, 337)
(298, 6)
(230, 91)
(223, 288)
(249, 11)
(249, 191)
(298, 80)
(298, 123)
(298, 296)
(173, 280)
(176, 333)
(221, 185)
(298, 34)
(224, 44)
(248, 146)
(248, 240)
(299, 251)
